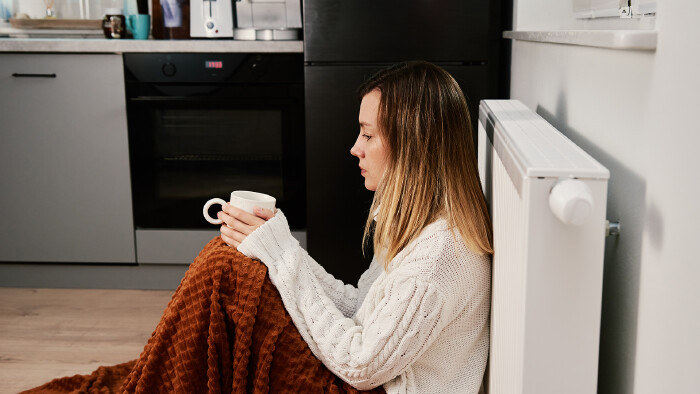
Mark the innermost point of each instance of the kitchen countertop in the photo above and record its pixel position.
(102, 45)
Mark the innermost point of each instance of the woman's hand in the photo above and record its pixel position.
(238, 224)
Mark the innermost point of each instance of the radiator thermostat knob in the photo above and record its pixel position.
(571, 201)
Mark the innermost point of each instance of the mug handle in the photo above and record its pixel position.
(205, 211)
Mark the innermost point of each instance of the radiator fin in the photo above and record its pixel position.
(508, 294)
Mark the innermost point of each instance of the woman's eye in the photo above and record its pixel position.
(367, 136)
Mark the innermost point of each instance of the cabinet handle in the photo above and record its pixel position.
(20, 75)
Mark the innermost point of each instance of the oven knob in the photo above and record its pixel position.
(169, 69)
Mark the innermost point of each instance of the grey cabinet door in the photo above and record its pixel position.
(65, 193)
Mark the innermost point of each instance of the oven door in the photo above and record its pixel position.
(187, 149)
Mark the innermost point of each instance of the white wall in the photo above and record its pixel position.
(637, 113)
(668, 349)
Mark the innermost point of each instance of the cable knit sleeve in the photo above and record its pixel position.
(395, 333)
(266, 243)
(344, 296)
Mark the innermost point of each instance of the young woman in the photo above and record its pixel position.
(417, 322)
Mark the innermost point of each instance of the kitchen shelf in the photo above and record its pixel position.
(640, 40)
(103, 45)
(94, 24)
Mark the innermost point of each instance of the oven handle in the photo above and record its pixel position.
(171, 98)
(146, 100)
(177, 99)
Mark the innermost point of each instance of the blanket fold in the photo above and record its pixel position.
(225, 330)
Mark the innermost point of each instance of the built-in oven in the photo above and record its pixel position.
(202, 125)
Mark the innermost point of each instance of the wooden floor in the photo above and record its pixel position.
(50, 333)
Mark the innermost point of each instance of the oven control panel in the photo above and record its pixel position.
(213, 67)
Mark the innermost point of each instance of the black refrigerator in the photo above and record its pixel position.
(345, 42)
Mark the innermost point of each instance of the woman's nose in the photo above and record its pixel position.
(355, 150)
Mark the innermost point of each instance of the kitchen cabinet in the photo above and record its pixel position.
(65, 193)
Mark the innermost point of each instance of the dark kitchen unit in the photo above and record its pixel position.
(345, 42)
(202, 125)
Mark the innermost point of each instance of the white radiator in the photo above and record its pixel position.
(547, 199)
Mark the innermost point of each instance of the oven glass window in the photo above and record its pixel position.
(204, 153)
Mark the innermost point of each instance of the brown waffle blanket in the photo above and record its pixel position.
(225, 330)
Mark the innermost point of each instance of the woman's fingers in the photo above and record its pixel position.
(238, 224)
(229, 241)
(266, 214)
(233, 224)
(232, 234)
(243, 216)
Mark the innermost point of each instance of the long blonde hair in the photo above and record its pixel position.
(432, 170)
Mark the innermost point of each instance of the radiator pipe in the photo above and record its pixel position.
(612, 228)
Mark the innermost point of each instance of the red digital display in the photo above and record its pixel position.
(213, 64)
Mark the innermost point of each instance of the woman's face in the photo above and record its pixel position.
(370, 147)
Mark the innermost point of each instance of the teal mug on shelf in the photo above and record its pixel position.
(139, 25)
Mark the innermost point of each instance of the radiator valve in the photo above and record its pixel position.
(571, 201)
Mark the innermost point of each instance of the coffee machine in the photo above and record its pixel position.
(211, 19)
(267, 20)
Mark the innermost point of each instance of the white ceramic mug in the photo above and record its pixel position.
(241, 199)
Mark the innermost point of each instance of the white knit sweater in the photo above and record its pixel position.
(420, 327)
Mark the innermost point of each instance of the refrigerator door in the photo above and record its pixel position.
(393, 30)
(337, 201)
